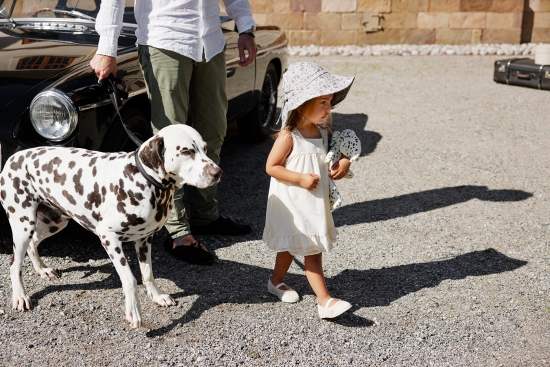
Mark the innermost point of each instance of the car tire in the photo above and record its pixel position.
(259, 123)
(117, 140)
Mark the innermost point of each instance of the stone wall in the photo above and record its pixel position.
(340, 22)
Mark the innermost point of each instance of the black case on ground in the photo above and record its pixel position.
(522, 72)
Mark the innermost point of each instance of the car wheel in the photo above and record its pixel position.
(117, 140)
(259, 123)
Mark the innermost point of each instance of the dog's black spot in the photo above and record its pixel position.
(69, 197)
(142, 253)
(94, 198)
(77, 185)
(17, 165)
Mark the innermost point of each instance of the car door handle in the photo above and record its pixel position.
(231, 72)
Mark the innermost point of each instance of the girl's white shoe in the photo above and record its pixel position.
(338, 307)
(285, 295)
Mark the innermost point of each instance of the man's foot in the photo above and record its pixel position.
(223, 226)
(188, 249)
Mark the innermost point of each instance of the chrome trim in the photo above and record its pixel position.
(94, 105)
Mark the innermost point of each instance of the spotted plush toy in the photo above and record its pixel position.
(344, 143)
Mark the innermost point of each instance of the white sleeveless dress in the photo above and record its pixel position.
(298, 220)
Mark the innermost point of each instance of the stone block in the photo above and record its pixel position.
(328, 21)
(467, 20)
(542, 20)
(398, 6)
(382, 6)
(261, 6)
(338, 6)
(501, 36)
(476, 5)
(352, 21)
(543, 5)
(260, 19)
(504, 20)
(338, 38)
(444, 5)
(432, 20)
(288, 21)
(397, 36)
(282, 6)
(403, 20)
(541, 35)
(309, 6)
(303, 38)
(508, 6)
(476, 36)
(453, 36)
(419, 36)
(416, 6)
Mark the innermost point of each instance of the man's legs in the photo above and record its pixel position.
(208, 101)
(168, 78)
(172, 81)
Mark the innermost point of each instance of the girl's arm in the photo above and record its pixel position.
(274, 166)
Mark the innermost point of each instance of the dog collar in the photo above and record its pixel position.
(147, 177)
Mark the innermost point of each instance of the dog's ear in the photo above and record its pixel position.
(152, 155)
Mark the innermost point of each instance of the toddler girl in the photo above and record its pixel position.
(298, 218)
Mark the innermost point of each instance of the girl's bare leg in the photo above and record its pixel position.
(316, 277)
(282, 263)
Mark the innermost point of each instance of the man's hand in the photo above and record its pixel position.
(340, 168)
(248, 43)
(103, 66)
(309, 181)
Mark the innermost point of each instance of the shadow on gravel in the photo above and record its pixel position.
(362, 288)
(419, 202)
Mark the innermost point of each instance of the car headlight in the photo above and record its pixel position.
(53, 115)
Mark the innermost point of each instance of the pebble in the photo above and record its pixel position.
(523, 49)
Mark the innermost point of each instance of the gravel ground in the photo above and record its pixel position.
(444, 246)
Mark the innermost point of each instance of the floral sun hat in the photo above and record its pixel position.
(306, 80)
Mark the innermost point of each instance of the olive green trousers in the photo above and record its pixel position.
(179, 87)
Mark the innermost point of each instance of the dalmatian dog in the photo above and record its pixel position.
(118, 196)
(344, 143)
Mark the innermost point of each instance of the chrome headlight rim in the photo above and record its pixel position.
(67, 103)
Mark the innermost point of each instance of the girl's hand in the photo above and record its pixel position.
(309, 181)
(340, 168)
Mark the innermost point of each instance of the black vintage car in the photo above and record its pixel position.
(49, 95)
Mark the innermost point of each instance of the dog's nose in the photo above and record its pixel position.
(215, 172)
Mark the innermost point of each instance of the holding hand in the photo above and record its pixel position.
(103, 66)
(339, 169)
(309, 181)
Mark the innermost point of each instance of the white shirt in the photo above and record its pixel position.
(184, 26)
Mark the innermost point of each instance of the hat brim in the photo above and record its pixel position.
(326, 84)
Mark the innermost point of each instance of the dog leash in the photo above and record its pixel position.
(116, 94)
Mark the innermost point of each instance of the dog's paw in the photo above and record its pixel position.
(21, 302)
(133, 314)
(48, 273)
(164, 300)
